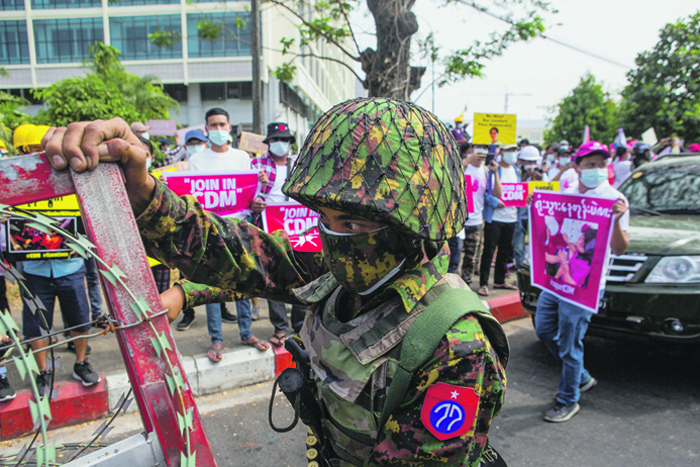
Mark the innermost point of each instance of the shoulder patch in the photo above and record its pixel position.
(448, 410)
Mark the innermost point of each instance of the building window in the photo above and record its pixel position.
(143, 2)
(14, 48)
(58, 4)
(26, 93)
(130, 36)
(213, 91)
(11, 5)
(176, 91)
(66, 40)
(234, 42)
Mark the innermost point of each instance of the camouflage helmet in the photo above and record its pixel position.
(384, 160)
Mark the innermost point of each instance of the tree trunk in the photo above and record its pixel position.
(388, 71)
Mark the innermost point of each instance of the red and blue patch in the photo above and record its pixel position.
(448, 410)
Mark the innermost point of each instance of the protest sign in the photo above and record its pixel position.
(60, 206)
(514, 194)
(469, 189)
(300, 223)
(494, 129)
(180, 134)
(162, 127)
(223, 193)
(649, 137)
(539, 185)
(24, 242)
(569, 238)
(252, 142)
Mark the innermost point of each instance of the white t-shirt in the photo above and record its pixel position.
(604, 190)
(568, 180)
(507, 215)
(208, 160)
(276, 196)
(479, 181)
(623, 169)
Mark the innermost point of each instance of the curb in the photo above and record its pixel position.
(241, 367)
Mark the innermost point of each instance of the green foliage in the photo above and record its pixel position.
(106, 93)
(11, 117)
(163, 38)
(209, 30)
(663, 91)
(3, 72)
(586, 105)
(285, 72)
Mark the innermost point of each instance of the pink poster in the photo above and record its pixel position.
(514, 194)
(226, 194)
(298, 221)
(470, 189)
(569, 238)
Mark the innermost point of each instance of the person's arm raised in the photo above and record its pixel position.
(84, 145)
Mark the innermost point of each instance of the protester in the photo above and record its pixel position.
(499, 229)
(527, 159)
(473, 227)
(566, 174)
(276, 166)
(622, 165)
(345, 333)
(3, 149)
(459, 132)
(523, 142)
(6, 391)
(222, 157)
(641, 154)
(163, 145)
(561, 325)
(139, 129)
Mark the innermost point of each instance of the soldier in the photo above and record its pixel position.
(408, 366)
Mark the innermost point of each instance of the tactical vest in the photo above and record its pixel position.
(354, 362)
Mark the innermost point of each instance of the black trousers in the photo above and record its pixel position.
(496, 234)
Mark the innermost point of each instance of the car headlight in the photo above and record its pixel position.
(678, 269)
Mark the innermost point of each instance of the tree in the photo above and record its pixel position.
(11, 117)
(663, 91)
(586, 105)
(109, 91)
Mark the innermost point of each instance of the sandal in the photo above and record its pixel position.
(484, 291)
(278, 339)
(257, 343)
(214, 353)
(505, 287)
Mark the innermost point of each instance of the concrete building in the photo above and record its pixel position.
(43, 41)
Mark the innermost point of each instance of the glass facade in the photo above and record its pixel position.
(11, 5)
(234, 42)
(14, 45)
(143, 2)
(129, 34)
(66, 40)
(60, 4)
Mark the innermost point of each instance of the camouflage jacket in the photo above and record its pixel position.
(233, 255)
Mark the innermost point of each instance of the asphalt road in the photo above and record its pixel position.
(645, 411)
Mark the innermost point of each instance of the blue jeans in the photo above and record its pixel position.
(455, 245)
(519, 242)
(214, 321)
(561, 326)
(93, 286)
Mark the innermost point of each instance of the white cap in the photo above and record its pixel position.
(529, 153)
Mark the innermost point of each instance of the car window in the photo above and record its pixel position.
(669, 188)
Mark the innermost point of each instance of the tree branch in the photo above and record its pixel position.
(347, 20)
(321, 57)
(315, 29)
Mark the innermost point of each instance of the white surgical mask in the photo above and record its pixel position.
(279, 148)
(145, 135)
(148, 163)
(510, 157)
(219, 137)
(480, 151)
(192, 150)
(550, 157)
(594, 177)
(563, 160)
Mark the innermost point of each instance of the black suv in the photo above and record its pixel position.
(653, 290)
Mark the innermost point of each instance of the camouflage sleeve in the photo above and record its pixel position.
(463, 358)
(228, 254)
(200, 294)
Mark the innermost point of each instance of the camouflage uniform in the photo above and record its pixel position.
(354, 345)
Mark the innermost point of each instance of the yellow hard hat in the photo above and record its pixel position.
(2, 144)
(459, 119)
(35, 134)
(20, 135)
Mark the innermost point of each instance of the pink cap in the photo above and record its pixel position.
(591, 147)
(695, 147)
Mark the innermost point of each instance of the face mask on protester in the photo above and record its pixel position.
(364, 262)
(192, 150)
(550, 157)
(219, 137)
(510, 157)
(594, 177)
(148, 163)
(564, 160)
(480, 151)
(145, 135)
(279, 148)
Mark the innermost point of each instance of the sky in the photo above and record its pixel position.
(539, 73)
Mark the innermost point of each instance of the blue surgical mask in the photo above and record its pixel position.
(279, 148)
(591, 178)
(510, 157)
(563, 160)
(550, 157)
(219, 137)
(148, 163)
(192, 150)
(480, 151)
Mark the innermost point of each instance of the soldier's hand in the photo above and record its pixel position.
(174, 300)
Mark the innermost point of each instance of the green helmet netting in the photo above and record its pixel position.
(385, 160)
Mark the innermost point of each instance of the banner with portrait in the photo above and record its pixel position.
(569, 238)
(497, 129)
